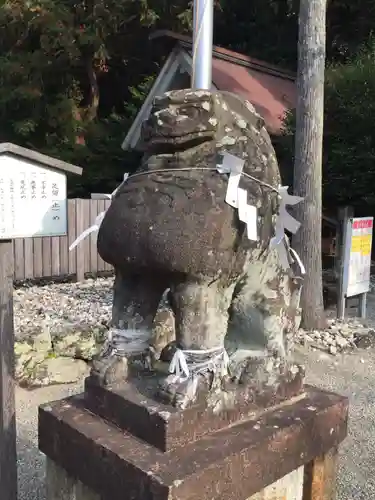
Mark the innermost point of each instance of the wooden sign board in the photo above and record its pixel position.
(32, 203)
(33, 193)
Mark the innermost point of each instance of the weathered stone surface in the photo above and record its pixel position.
(169, 226)
(40, 371)
(198, 126)
(61, 486)
(78, 341)
(45, 357)
(134, 408)
(233, 463)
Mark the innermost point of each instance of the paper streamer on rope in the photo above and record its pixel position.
(299, 261)
(285, 222)
(89, 230)
(182, 370)
(179, 366)
(99, 219)
(235, 167)
(235, 196)
(247, 214)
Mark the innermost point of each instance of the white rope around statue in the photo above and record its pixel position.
(98, 220)
(237, 198)
(89, 230)
(183, 367)
(129, 341)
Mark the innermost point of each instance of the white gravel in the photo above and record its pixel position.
(85, 304)
(352, 374)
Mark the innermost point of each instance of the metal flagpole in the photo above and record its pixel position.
(202, 44)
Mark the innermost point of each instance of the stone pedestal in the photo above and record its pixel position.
(140, 449)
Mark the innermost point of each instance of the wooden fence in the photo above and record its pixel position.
(50, 257)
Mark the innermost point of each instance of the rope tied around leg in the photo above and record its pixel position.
(185, 364)
(129, 341)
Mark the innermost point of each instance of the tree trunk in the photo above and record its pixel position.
(308, 156)
(91, 111)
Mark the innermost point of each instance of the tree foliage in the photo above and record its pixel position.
(349, 158)
(268, 29)
(349, 140)
(67, 70)
(73, 73)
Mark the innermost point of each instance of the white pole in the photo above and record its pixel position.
(202, 44)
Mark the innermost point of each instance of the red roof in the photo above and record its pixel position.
(269, 88)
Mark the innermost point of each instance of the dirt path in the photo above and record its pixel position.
(30, 461)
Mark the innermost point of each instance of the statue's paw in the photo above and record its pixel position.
(109, 369)
(148, 359)
(182, 393)
(249, 369)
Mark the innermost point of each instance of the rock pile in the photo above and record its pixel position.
(58, 328)
(339, 336)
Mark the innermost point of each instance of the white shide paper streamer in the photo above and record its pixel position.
(286, 222)
(181, 370)
(235, 196)
(98, 220)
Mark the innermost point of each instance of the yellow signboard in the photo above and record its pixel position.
(361, 244)
(358, 261)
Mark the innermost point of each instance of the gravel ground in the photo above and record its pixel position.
(350, 374)
(30, 461)
(86, 304)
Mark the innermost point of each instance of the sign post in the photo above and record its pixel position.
(356, 263)
(8, 456)
(33, 202)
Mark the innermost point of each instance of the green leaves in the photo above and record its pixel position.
(74, 72)
(349, 141)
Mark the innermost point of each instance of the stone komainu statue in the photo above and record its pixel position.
(173, 230)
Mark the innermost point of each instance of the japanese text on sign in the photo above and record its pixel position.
(358, 265)
(32, 200)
